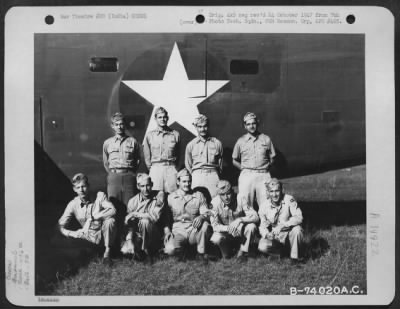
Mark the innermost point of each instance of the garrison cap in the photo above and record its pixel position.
(249, 116)
(200, 119)
(182, 173)
(223, 186)
(142, 177)
(117, 116)
(159, 110)
(272, 183)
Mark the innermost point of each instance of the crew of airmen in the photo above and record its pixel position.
(165, 210)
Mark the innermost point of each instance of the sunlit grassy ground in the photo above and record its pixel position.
(339, 225)
(343, 265)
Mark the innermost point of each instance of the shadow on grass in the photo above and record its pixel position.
(58, 258)
(55, 262)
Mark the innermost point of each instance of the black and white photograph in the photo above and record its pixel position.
(237, 160)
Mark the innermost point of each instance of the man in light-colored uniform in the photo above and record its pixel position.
(94, 215)
(253, 154)
(233, 220)
(190, 219)
(143, 217)
(161, 153)
(121, 158)
(203, 157)
(281, 220)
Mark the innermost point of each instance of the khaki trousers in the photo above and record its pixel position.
(296, 240)
(226, 241)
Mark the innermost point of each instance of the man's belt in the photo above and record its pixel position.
(255, 171)
(205, 170)
(120, 170)
(163, 163)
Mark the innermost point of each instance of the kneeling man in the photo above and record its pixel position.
(96, 216)
(143, 220)
(190, 218)
(233, 221)
(281, 220)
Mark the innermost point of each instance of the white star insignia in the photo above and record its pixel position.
(176, 93)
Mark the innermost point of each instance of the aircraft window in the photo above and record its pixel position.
(330, 116)
(244, 67)
(101, 64)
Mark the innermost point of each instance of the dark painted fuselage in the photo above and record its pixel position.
(307, 89)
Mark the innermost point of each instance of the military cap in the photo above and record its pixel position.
(159, 110)
(182, 173)
(200, 119)
(249, 116)
(272, 183)
(117, 116)
(223, 186)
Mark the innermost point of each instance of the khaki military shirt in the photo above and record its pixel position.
(287, 214)
(121, 152)
(204, 153)
(254, 152)
(161, 146)
(83, 212)
(185, 208)
(153, 205)
(223, 215)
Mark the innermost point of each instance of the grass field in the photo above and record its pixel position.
(343, 264)
(340, 226)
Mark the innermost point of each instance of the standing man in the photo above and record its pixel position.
(161, 153)
(190, 219)
(281, 220)
(145, 210)
(253, 154)
(233, 221)
(95, 215)
(121, 158)
(203, 157)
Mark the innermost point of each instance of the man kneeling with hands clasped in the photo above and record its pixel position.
(233, 220)
(143, 220)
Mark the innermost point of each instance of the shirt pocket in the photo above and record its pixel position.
(113, 149)
(213, 153)
(170, 146)
(129, 150)
(263, 149)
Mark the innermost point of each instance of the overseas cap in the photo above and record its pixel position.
(159, 110)
(249, 116)
(182, 173)
(223, 186)
(117, 116)
(273, 183)
(200, 119)
(142, 177)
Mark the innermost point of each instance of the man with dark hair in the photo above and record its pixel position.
(96, 216)
(161, 153)
(253, 154)
(203, 157)
(233, 221)
(143, 220)
(281, 220)
(121, 158)
(190, 219)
